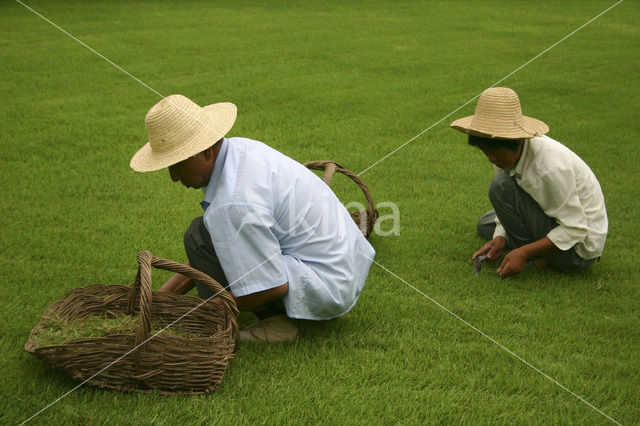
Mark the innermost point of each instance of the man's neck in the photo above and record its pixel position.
(520, 148)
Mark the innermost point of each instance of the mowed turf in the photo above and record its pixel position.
(347, 82)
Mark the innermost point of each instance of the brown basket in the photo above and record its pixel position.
(365, 219)
(142, 362)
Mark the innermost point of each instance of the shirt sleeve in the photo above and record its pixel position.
(499, 230)
(557, 195)
(248, 250)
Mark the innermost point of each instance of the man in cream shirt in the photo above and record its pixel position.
(272, 231)
(548, 204)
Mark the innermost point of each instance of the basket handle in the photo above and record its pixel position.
(330, 167)
(143, 284)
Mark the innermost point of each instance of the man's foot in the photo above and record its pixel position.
(278, 328)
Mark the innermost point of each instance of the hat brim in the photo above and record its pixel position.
(220, 118)
(531, 127)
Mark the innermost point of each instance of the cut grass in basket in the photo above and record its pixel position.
(60, 330)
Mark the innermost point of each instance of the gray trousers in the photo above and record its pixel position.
(202, 256)
(524, 222)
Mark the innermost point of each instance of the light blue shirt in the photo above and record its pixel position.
(273, 221)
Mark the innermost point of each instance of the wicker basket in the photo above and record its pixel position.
(142, 362)
(365, 219)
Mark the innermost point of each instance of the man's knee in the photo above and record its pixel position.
(501, 185)
(193, 235)
(487, 225)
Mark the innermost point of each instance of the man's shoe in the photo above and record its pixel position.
(278, 328)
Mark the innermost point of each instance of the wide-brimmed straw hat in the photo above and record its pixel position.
(178, 128)
(499, 116)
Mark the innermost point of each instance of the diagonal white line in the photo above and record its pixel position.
(148, 339)
(377, 162)
(93, 50)
(187, 113)
(130, 75)
(510, 352)
(493, 85)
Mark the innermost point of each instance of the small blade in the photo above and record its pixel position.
(477, 263)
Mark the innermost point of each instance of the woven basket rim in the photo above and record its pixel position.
(142, 368)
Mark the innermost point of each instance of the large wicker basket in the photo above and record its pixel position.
(366, 218)
(142, 361)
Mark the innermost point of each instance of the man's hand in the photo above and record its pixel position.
(493, 249)
(513, 263)
(516, 260)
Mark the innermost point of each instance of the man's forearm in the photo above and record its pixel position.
(539, 247)
(250, 301)
(516, 259)
(177, 284)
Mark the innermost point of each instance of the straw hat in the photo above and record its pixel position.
(498, 116)
(178, 129)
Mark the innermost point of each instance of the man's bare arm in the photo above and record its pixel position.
(178, 284)
(250, 301)
(516, 259)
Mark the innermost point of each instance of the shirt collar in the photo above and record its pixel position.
(518, 169)
(210, 189)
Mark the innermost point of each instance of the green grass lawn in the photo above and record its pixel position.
(348, 82)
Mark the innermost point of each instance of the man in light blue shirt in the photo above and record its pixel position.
(272, 232)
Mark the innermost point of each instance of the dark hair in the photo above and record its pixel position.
(492, 144)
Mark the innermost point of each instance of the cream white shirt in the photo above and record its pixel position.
(273, 221)
(567, 190)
